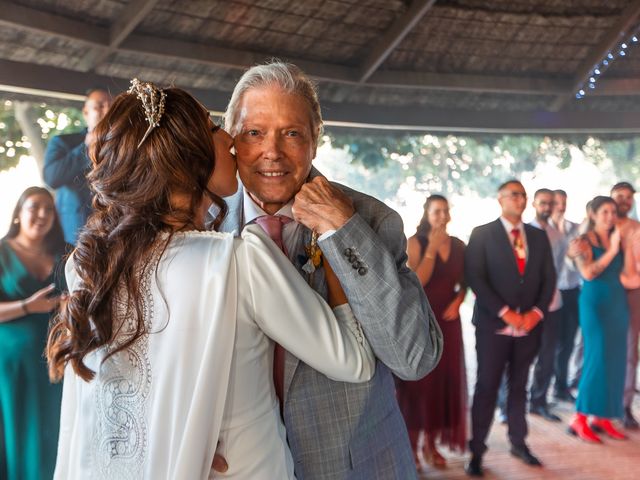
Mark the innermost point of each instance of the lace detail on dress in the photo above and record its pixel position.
(122, 392)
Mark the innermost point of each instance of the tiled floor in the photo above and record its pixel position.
(564, 457)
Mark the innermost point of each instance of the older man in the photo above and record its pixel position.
(66, 163)
(509, 267)
(335, 430)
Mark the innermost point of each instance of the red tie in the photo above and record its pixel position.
(272, 225)
(518, 250)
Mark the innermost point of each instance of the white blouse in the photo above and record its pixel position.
(202, 378)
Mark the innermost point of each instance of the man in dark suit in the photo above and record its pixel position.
(66, 163)
(509, 266)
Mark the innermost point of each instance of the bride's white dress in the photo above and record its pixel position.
(204, 374)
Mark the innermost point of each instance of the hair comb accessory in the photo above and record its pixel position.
(152, 99)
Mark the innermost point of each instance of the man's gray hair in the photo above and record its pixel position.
(276, 73)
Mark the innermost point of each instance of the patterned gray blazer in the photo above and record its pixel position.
(351, 431)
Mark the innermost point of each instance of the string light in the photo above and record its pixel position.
(599, 68)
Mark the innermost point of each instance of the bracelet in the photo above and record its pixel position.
(23, 304)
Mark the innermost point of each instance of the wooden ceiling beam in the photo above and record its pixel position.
(133, 14)
(119, 39)
(53, 82)
(618, 32)
(37, 21)
(392, 37)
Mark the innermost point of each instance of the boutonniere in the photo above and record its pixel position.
(314, 255)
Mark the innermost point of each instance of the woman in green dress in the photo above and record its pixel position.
(604, 320)
(29, 404)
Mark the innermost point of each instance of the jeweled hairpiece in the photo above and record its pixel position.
(152, 99)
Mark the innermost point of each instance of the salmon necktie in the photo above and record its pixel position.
(272, 225)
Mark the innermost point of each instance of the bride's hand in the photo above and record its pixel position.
(219, 463)
(335, 292)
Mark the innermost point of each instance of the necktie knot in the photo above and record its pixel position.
(272, 225)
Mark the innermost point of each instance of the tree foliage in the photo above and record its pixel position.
(51, 120)
(458, 164)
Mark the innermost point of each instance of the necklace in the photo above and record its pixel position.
(599, 239)
(28, 250)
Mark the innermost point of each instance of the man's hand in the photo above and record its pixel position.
(320, 206)
(452, 312)
(513, 318)
(530, 320)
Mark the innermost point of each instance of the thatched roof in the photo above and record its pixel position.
(450, 64)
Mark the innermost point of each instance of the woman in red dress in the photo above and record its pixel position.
(437, 404)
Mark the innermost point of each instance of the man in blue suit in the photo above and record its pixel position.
(509, 266)
(66, 163)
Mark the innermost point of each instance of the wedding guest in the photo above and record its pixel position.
(543, 202)
(622, 193)
(569, 285)
(578, 352)
(509, 266)
(166, 339)
(436, 405)
(29, 403)
(604, 320)
(66, 163)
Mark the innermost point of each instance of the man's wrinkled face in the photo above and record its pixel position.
(624, 199)
(560, 204)
(275, 145)
(543, 205)
(95, 108)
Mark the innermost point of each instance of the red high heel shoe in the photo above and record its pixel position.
(605, 425)
(581, 429)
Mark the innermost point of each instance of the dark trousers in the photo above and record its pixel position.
(543, 370)
(495, 354)
(567, 328)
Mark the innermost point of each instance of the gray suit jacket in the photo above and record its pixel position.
(350, 431)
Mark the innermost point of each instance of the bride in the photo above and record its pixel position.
(166, 340)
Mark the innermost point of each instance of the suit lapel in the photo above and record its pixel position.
(531, 250)
(317, 283)
(503, 242)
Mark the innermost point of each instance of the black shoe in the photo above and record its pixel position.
(474, 467)
(525, 455)
(545, 413)
(629, 422)
(565, 396)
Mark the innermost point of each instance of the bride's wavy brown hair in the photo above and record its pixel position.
(132, 204)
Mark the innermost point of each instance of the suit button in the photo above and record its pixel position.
(347, 252)
(353, 259)
(362, 270)
(356, 265)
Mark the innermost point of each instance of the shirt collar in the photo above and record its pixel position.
(510, 226)
(253, 211)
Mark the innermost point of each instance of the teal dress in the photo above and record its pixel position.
(604, 319)
(29, 403)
